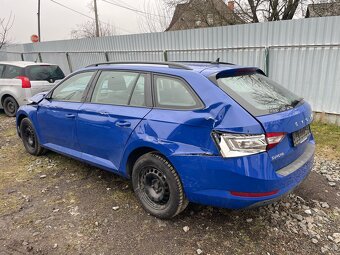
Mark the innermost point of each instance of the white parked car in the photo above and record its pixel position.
(20, 80)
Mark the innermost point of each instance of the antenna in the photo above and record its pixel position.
(217, 61)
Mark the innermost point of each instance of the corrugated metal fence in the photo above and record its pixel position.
(303, 55)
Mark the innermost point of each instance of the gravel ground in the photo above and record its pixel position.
(56, 205)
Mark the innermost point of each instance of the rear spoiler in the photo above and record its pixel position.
(234, 72)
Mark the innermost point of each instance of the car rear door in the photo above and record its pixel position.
(117, 104)
(57, 113)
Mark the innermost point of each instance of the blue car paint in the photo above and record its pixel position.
(183, 136)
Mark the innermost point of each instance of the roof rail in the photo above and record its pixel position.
(169, 64)
(205, 62)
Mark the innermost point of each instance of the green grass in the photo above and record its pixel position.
(327, 137)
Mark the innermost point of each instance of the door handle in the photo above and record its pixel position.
(70, 116)
(103, 113)
(123, 124)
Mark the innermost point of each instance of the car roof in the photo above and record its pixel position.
(205, 68)
(23, 63)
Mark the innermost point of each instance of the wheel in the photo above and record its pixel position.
(10, 106)
(29, 138)
(158, 187)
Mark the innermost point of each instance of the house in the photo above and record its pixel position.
(323, 9)
(204, 13)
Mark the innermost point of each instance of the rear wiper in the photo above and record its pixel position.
(296, 102)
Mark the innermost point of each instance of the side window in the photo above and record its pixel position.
(12, 72)
(72, 89)
(138, 95)
(2, 67)
(175, 94)
(114, 87)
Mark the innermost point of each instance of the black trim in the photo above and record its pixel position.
(133, 89)
(199, 103)
(3, 69)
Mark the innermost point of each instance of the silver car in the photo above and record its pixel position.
(20, 80)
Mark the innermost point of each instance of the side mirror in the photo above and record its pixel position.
(36, 99)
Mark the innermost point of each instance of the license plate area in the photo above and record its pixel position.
(301, 135)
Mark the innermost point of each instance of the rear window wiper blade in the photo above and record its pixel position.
(296, 102)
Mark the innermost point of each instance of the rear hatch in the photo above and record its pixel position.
(43, 77)
(277, 109)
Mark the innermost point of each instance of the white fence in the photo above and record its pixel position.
(303, 55)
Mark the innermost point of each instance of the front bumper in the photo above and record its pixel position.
(208, 180)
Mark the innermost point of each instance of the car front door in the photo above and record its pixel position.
(118, 103)
(57, 113)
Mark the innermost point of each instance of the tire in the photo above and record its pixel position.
(10, 106)
(29, 138)
(158, 187)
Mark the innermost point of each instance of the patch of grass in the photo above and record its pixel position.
(327, 138)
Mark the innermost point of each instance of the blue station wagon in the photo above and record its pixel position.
(211, 133)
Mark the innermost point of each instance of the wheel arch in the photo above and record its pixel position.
(135, 154)
(20, 117)
(4, 96)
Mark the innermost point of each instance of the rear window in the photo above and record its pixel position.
(49, 73)
(258, 94)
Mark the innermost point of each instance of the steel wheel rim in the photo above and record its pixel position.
(29, 136)
(154, 187)
(11, 107)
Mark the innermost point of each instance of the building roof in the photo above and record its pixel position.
(188, 9)
(323, 9)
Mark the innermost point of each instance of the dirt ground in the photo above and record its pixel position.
(56, 205)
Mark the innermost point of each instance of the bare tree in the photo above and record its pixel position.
(156, 17)
(88, 30)
(5, 27)
(270, 10)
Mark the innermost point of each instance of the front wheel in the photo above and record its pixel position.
(29, 138)
(10, 106)
(158, 187)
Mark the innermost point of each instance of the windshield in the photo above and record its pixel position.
(258, 94)
(49, 73)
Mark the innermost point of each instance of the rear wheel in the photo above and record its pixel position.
(10, 106)
(158, 187)
(29, 138)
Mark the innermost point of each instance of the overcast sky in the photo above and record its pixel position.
(57, 21)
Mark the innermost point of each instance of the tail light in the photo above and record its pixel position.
(25, 82)
(238, 145)
(274, 139)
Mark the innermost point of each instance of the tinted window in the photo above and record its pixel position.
(258, 94)
(44, 73)
(2, 67)
(138, 95)
(174, 93)
(114, 87)
(12, 72)
(72, 89)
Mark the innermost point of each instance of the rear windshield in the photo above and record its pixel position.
(49, 73)
(258, 94)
